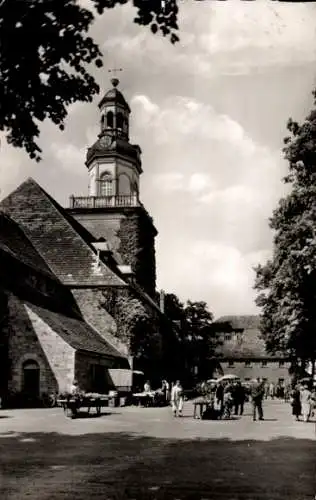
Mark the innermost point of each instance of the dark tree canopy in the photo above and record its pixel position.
(287, 283)
(45, 53)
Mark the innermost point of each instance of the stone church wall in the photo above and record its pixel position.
(26, 343)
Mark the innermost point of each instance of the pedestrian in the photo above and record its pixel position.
(219, 396)
(165, 388)
(239, 398)
(75, 390)
(271, 390)
(228, 401)
(177, 399)
(147, 386)
(306, 402)
(257, 395)
(295, 399)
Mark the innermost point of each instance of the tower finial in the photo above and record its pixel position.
(115, 81)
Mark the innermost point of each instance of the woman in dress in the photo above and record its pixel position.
(296, 402)
(306, 402)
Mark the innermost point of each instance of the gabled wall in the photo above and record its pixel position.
(31, 339)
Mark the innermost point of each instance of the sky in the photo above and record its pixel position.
(210, 116)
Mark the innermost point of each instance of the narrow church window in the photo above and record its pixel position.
(264, 363)
(231, 362)
(106, 184)
(109, 119)
(119, 121)
(102, 122)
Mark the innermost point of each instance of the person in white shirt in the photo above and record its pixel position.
(147, 386)
(177, 399)
(74, 389)
(306, 403)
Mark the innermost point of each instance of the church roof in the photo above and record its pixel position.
(241, 322)
(117, 147)
(63, 245)
(77, 333)
(13, 241)
(246, 342)
(114, 96)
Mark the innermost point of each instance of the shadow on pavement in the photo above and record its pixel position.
(128, 466)
(85, 414)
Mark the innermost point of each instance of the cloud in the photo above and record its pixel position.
(219, 38)
(217, 273)
(186, 116)
(69, 156)
(177, 182)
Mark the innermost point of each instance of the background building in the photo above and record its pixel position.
(242, 352)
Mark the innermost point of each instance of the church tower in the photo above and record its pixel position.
(113, 210)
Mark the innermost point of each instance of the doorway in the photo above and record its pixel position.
(31, 379)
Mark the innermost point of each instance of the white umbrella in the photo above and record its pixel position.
(228, 377)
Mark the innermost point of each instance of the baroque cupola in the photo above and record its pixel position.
(114, 163)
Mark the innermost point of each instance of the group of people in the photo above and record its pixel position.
(278, 391)
(229, 397)
(302, 401)
(169, 394)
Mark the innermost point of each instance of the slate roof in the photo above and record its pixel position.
(61, 242)
(77, 333)
(246, 343)
(14, 241)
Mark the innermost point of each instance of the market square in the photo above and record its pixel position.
(144, 453)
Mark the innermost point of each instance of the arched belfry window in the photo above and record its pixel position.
(102, 121)
(106, 184)
(109, 119)
(119, 121)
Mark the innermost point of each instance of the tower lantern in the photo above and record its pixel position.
(114, 163)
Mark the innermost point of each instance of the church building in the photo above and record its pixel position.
(78, 284)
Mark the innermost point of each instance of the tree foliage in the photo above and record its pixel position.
(287, 282)
(197, 334)
(45, 53)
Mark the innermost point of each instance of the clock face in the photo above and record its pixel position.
(106, 141)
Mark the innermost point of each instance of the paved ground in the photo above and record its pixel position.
(134, 453)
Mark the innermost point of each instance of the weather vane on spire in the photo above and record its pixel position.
(115, 81)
